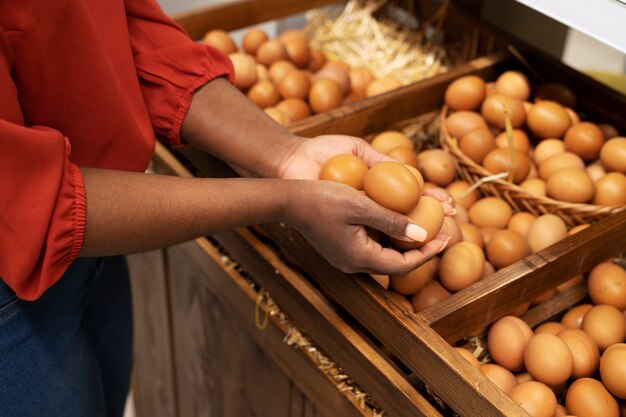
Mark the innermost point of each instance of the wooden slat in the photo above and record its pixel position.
(154, 383)
(378, 113)
(558, 304)
(422, 350)
(489, 299)
(312, 312)
(240, 14)
(196, 268)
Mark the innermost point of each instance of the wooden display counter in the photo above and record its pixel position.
(199, 305)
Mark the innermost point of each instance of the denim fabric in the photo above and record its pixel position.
(68, 354)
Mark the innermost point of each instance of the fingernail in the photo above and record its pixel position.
(444, 244)
(416, 233)
(452, 212)
(449, 200)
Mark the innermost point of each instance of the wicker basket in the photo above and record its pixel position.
(572, 213)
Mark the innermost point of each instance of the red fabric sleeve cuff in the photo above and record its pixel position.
(170, 76)
(79, 214)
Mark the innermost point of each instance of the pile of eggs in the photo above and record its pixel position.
(486, 235)
(290, 80)
(581, 358)
(555, 153)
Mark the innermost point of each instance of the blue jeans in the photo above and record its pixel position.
(68, 354)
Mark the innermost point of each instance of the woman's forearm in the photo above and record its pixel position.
(225, 123)
(132, 212)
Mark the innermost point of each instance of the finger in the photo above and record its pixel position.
(444, 198)
(389, 261)
(369, 213)
(368, 154)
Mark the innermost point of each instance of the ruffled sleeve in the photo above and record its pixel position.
(170, 65)
(42, 197)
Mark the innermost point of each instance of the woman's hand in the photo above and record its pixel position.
(306, 159)
(333, 216)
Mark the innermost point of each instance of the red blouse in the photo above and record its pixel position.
(83, 83)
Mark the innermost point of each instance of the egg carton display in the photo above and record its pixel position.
(538, 155)
(306, 72)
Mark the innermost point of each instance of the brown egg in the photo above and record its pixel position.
(587, 397)
(536, 398)
(613, 369)
(469, 356)
(428, 296)
(461, 215)
(477, 143)
(548, 119)
(416, 174)
(547, 148)
(220, 40)
(573, 116)
(546, 296)
(245, 70)
(390, 139)
(519, 138)
(550, 327)
(585, 352)
(613, 154)
(490, 212)
(535, 186)
(404, 155)
(545, 231)
(465, 93)
(490, 89)
(253, 39)
(324, 95)
(560, 161)
(383, 280)
(346, 169)
(400, 301)
(506, 247)
(271, 51)
(279, 69)
(262, 73)
(295, 84)
(548, 359)
(611, 190)
(605, 324)
(412, 282)
(556, 92)
(459, 192)
(336, 72)
(360, 78)
(278, 116)
(298, 52)
(513, 84)
(381, 86)
(499, 375)
(595, 170)
(494, 106)
(561, 411)
(461, 266)
(264, 94)
(607, 285)
(499, 160)
(572, 282)
(585, 140)
(317, 60)
(521, 222)
(295, 108)
(609, 131)
(573, 319)
(487, 233)
(490, 270)
(523, 377)
(571, 185)
(451, 228)
(428, 213)
(437, 166)
(471, 233)
(461, 122)
(392, 185)
(532, 172)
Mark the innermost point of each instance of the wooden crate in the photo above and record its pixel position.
(422, 341)
(189, 297)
